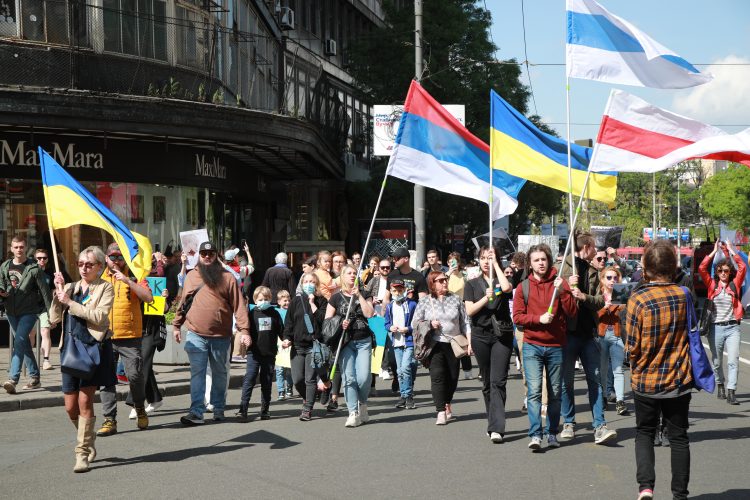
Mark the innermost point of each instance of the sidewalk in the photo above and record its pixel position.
(172, 379)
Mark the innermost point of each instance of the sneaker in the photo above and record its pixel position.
(241, 416)
(142, 418)
(289, 395)
(333, 405)
(353, 420)
(209, 408)
(306, 415)
(10, 386)
(401, 403)
(621, 408)
(281, 397)
(219, 417)
(535, 443)
(410, 403)
(612, 398)
(646, 494)
(152, 407)
(32, 384)
(568, 432)
(363, 416)
(449, 416)
(325, 396)
(133, 414)
(441, 420)
(602, 434)
(191, 419)
(496, 437)
(386, 375)
(108, 428)
(239, 359)
(552, 441)
(46, 365)
(265, 413)
(468, 374)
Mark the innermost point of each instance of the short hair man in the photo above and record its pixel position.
(126, 322)
(279, 277)
(433, 263)
(22, 282)
(414, 281)
(208, 321)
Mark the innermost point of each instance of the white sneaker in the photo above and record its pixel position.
(535, 443)
(209, 408)
(363, 416)
(468, 374)
(133, 415)
(353, 420)
(386, 375)
(152, 407)
(496, 437)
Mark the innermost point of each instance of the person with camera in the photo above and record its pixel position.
(726, 315)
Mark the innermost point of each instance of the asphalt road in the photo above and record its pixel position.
(399, 454)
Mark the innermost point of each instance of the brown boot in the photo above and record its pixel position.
(92, 451)
(86, 437)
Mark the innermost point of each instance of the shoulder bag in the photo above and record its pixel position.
(702, 370)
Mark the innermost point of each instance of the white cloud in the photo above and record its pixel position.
(722, 101)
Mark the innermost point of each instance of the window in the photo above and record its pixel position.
(136, 27)
(47, 20)
(193, 38)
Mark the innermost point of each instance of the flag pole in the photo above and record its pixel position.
(492, 191)
(362, 261)
(50, 225)
(570, 164)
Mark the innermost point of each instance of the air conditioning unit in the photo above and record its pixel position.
(286, 18)
(330, 47)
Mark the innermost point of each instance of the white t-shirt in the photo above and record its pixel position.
(398, 319)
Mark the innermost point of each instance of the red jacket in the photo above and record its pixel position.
(540, 295)
(714, 286)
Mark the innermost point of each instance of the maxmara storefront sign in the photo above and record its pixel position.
(22, 154)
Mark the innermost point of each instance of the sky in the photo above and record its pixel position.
(704, 32)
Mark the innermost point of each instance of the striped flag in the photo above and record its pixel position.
(636, 136)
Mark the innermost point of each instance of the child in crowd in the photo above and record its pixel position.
(283, 375)
(398, 315)
(265, 332)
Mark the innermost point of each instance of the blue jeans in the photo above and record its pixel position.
(536, 359)
(588, 350)
(201, 351)
(613, 354)
(725, 336)
(406, 368)
(22, 351)
(283, 376)
(355, 370)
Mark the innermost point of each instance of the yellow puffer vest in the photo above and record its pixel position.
(125, 318)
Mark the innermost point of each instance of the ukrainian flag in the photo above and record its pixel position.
(70, 204)
(519, 148)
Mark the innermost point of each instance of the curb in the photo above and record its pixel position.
(56, 399)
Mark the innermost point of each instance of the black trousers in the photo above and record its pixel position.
(443, 374)
(257, 364)
(148, 349)
(305, 377)
(675, 414)
(493, 357)
(466, 363)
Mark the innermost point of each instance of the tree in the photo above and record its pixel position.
(459, 67)
(726, 196)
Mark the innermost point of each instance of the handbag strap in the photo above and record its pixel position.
(691, 319)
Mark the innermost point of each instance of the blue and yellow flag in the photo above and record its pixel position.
(70, 204)
(519, 148)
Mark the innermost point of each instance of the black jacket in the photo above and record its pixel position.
(294, 325)
(265, 331)
(32, 296)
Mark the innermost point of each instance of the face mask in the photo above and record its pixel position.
(398, 298)
(263, 305)
(308, 288)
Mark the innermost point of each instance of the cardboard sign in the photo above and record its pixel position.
(157, 285)
(155, 308)
(190, 241)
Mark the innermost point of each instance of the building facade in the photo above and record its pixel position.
(233, 115)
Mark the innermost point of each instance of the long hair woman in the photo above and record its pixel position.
(491, 337)
(84, 308)
(355, 355)
(447, 316)
(609, 329)
(726, 314)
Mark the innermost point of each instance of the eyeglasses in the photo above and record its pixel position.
(599, 259)
(42, 258)
(87, 265)
(610, 278)
(385, 268)
(115, 257)
(206, 253)
(441, 280)
(723, 271)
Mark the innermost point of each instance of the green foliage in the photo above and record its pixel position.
(218, 97)
(726, 196)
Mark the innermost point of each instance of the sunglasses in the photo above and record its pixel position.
(723, 271)
(87, 265)
(599, 259)
(115, 257)
(610, 278)
(441, 280)
(385, 268)
(206, 253)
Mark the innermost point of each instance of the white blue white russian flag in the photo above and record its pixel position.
(601, 46)
(433, 149)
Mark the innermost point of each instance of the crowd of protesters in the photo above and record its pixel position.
(551, 314)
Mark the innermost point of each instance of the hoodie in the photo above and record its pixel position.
(540, 295)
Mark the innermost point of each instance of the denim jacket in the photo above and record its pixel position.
(408, 305)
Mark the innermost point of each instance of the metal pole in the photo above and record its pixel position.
(570, 166)
(419, 193)
(653, 205)
(679, 232)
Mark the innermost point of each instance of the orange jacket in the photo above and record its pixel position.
(125, 317)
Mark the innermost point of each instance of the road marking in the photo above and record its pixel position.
(742, 360)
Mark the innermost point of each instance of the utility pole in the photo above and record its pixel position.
(419, 208)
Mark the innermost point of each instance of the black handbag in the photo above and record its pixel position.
(79, 359)
(704, 323)
(332, 330)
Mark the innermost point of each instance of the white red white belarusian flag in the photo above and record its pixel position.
(636, 136)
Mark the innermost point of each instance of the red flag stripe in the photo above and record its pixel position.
(637, 140)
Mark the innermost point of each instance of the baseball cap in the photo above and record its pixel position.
(207, 246)
(400, 253)
(397, 282)
(231, 254)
